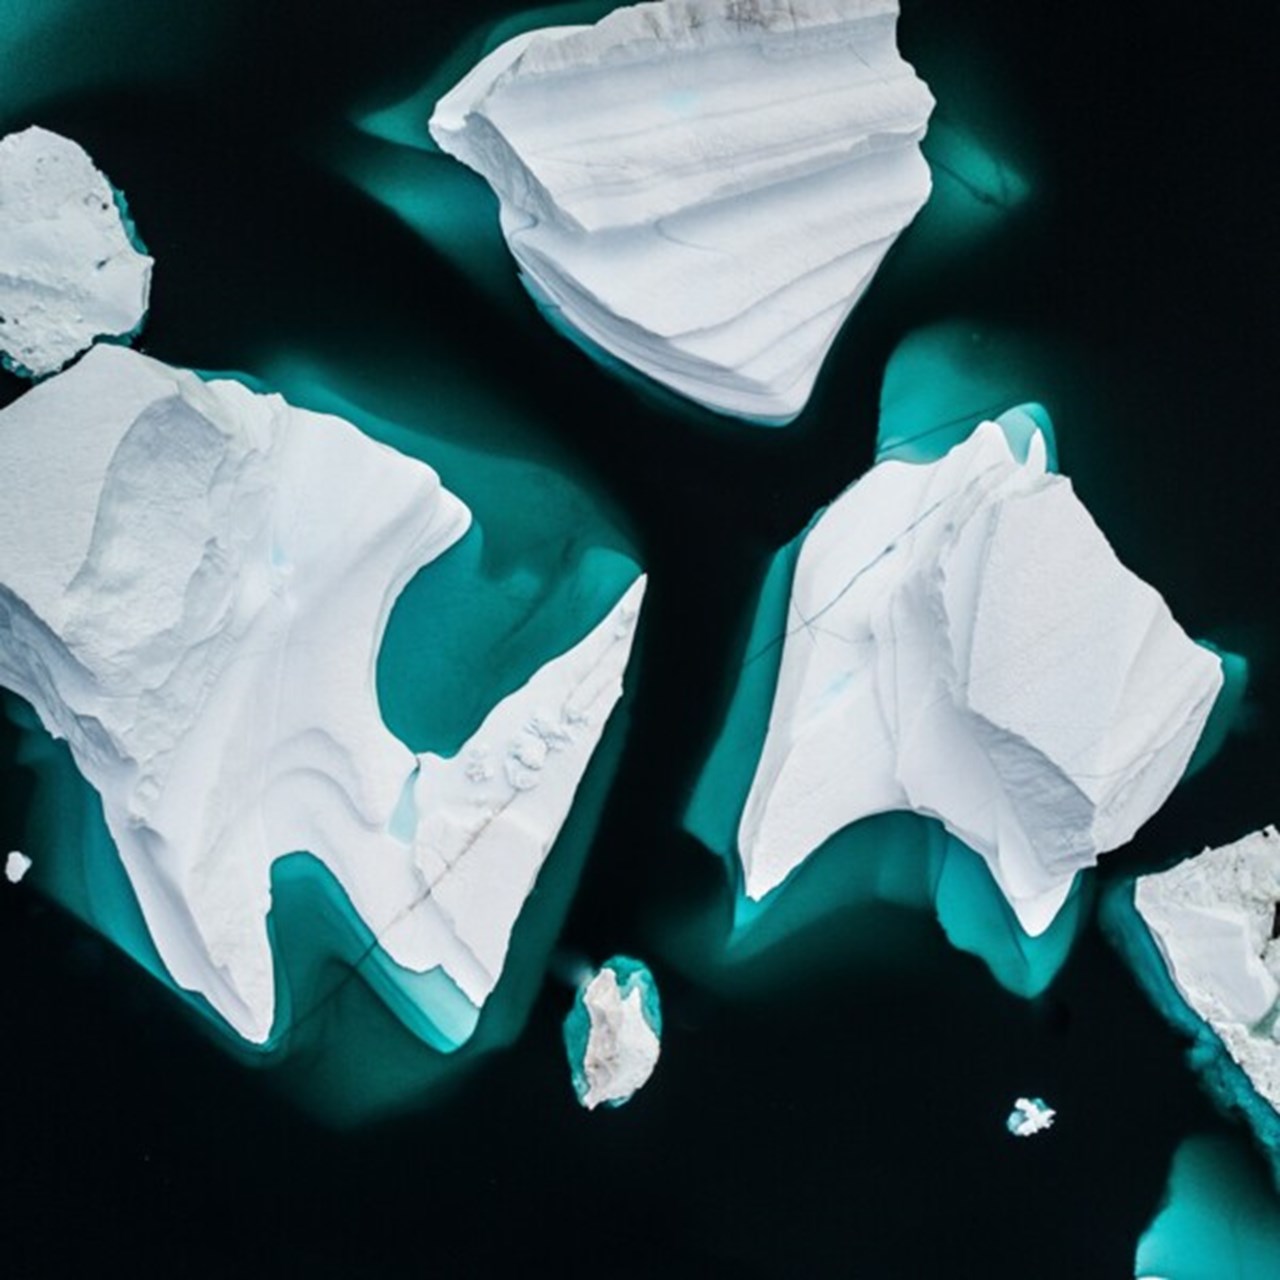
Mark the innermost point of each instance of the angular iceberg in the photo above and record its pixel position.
(194, 584)
(1029, 1116)
(1215, 919)
(70, 271)
(613, 1033)
(16, 866)
(701, 189)
(963, 642)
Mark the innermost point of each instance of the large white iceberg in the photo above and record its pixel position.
(962, 642)
(1214, 919)
(69, 272)
(702, 188)
(194, 584)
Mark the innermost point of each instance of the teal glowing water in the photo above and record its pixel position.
(393, 158)
(1219, 1220)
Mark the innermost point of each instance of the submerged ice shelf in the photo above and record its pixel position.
(220, 695)
(701, 189)
(70, 271)
(1219, 1219)
(613, 1033)
(963, 642)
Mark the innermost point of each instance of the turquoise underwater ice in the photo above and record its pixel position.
(631, 975)
(390, 156)
(939, 384)
(356, 1034)
(1224, 1081)
(1219, 1219)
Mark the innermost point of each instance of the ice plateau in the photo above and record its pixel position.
(962, 641)
(194, 583)
(702, 189)
(1214, 919)
(613, 1033)
(69, 270)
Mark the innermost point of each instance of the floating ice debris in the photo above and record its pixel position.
(702, 188)
(962, 642)
(16, 865)
(69, 272)
(612, 1033)
(1029, 1116)
(1216, 921)
(194, 583)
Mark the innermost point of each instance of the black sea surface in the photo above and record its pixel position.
(839, 1110)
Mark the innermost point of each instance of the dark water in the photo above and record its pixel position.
(835, 1111)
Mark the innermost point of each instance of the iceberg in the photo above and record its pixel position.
(1029, 1116)
(962, 642)
(16, 866)
(613, 1033)
(194, 583)
(1215, 919)
(71, 268)
(701, 189)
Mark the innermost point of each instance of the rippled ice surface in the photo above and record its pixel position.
(831, 1104)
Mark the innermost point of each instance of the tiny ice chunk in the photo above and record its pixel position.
(613, 1033)
(16, 865)
(1029, 1116)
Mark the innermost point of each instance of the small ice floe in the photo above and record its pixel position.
(71, 268)
(612, 1033)
(1029, 1116)
(16, 865)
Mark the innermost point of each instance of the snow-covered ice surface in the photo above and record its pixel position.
(963, 642)
(1029, 1116)
(1215, 919)
(194, 583)
(613, 1033)
(69, 271)
(702, 188)
(16, 865)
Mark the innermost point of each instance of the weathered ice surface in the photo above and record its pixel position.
(1029, 1116)
(702, 189)
(1214, 918)
(16, 865)
(963, 642)
(194, 584)
(613, 1033)
(69, 272)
